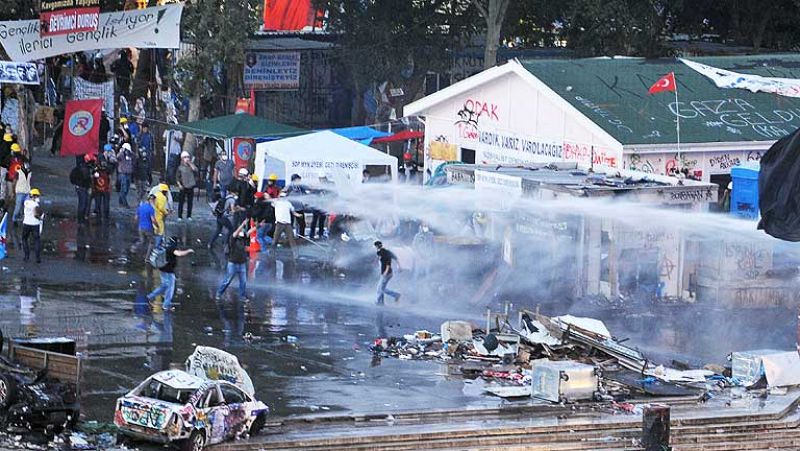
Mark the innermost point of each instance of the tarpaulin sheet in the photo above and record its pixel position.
(779, 189)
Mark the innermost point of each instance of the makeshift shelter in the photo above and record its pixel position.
(321, 154)
(241, 125)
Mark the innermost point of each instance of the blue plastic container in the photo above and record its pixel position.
(744, 196)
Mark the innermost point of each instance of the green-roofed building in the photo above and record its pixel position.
(598, 111)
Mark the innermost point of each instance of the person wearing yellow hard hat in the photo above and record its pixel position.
(13, 164)
(32, 225)
(22, 188)
(273, 190)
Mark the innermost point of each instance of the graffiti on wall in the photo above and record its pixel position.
(750, 259)
(470, 115)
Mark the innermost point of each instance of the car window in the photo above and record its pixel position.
(174, 395)
(232, 394)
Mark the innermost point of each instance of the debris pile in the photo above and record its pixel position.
(568, 358)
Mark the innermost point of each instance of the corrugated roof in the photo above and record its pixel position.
(612, 92)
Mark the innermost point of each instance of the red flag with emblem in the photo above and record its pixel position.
(665, 83)
(81, 133)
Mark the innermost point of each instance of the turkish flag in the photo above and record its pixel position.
(665, 83)
(81, 133)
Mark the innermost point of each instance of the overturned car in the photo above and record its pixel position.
(33, 395)
(212, 401)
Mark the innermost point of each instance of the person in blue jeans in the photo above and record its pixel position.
(237, 261)
(385, 256)
(167, 287)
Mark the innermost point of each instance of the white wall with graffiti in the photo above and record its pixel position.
(703, 164)
(507, 117)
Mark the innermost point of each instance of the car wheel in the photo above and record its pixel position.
(258, 424)
(195, 442)
(8, 391)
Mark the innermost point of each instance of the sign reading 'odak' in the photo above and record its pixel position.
(157, 27)
(68, 16)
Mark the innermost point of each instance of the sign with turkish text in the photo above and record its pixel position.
(81, 134)
(242, 152)
(157, 27)
(19, 73)
(272, 70)
(68, 16)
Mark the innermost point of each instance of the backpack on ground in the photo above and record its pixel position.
(158, 257)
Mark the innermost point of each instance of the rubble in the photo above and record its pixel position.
(560, 359)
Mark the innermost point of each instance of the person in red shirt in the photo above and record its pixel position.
(273, 190)
(14, 165)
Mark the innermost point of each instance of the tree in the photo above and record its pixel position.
(217, 31)
(393, 43)
(494, 14)
(617, 27)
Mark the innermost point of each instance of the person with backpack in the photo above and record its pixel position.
(165, 259)
(223, 211)
(237, 260)
(126, 163)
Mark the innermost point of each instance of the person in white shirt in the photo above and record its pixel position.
(31, 225)
(22, 188)
(283, 221)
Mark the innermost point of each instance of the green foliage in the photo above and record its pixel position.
(396, 40)
(218, 30)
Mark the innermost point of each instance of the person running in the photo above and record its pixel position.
(146, 221)
(31, 225)
(385, 256)
(187, 181)
(237, 261)
(284, 210)
(167, 287)
(223, 210)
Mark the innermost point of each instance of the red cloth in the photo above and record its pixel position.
(273, 191)
(290, 15)
(242, 153)
(665, 83)
(102, 183)
(81, 133)
(405, 135)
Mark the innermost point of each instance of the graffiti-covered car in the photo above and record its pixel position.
(190, 411)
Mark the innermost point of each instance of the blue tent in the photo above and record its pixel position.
(362, 134)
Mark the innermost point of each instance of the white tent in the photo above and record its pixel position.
(321, 154)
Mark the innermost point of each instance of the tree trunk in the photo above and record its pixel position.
(494, 12)
(758, 38)
(194, 114)
(141, 81)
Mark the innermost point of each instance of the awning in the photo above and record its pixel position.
(238, 126)
(405, 135)
(360, 133)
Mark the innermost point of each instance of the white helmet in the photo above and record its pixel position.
(126, 146)
(185, 154)
(243, 172)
